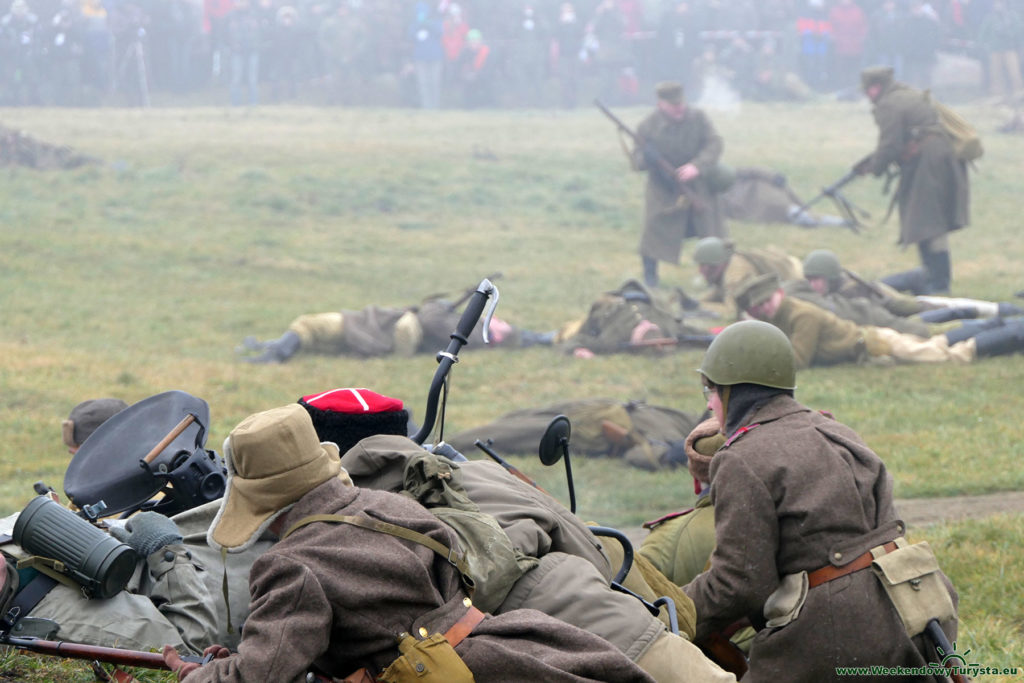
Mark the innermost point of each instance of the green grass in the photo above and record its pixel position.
(141, 275)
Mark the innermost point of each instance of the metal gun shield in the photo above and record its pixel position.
(109, 466)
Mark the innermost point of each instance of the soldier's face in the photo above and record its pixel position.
(766, 309)
(818, 284)
(715, 406)
(710, 273)
(673, 110)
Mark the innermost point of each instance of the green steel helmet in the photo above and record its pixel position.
(712, 251)
(750, 352)
(720, 177)
(822, 263)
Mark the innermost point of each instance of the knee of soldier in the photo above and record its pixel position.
(571, 589)
(672, 658)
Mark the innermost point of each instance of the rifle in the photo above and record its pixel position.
(110, 655)
(871, 287)
(662, 170)
(847, 209)
(509, 467)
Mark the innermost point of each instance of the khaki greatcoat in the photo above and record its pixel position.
(667, 219)
(797, 492)
(933, 192)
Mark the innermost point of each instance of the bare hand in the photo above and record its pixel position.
(687, 172)
(176, 664)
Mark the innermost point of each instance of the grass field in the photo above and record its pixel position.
(205, 225)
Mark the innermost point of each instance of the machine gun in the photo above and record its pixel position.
(663, 172)
(847, 209)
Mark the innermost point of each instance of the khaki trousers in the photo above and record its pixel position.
(320, 332)
(906, 348)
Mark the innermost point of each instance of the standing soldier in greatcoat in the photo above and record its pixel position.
(933, 193)
(684, 138)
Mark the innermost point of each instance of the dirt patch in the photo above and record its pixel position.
(923, 511)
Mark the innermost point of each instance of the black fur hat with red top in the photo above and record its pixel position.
(347, 416)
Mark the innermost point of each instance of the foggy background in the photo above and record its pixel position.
(492, 53)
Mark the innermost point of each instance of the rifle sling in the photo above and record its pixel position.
(26, 600)
(392, 530)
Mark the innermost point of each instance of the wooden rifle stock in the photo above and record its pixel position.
(869, 286)
(110, 655)
(509, 467)
(723, 652)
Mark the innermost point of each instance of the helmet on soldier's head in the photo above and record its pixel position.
(822, 263)
(712, 251)
(750, 352)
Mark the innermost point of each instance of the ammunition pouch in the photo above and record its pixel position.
(431, 660)
(912, 579)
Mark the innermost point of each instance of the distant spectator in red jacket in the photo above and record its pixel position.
(849, 34)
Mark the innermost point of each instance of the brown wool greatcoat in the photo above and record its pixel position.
(933, 192)
(338, 595)
(540, 527)
(667, 221)
(795, 493)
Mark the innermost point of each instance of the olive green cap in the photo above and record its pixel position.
(670, 91)
(755, 289)
(750, 352)
(712, 251)
(822, 263)
(880, 75)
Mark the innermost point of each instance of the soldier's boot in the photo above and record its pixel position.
(278, 350)
(914, 281)
(972, 329)
(944, 315)
(940, 271)
(251, 343)
(650, 271)
(1006, 309)
(528, 338)
(1001, 341)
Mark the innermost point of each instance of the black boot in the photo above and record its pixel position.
(650, 271)
(944, 315)
(972, 329)
(1006, 309)
(940, 271)
(278, 350)
(914, 281)
(1001, 341)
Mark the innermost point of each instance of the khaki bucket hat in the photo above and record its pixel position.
(273, 459)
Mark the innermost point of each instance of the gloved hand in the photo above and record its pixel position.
(147, 532)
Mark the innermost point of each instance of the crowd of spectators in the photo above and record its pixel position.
(481, 53)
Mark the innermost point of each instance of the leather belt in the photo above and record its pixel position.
(828, 573)
(464, 626)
